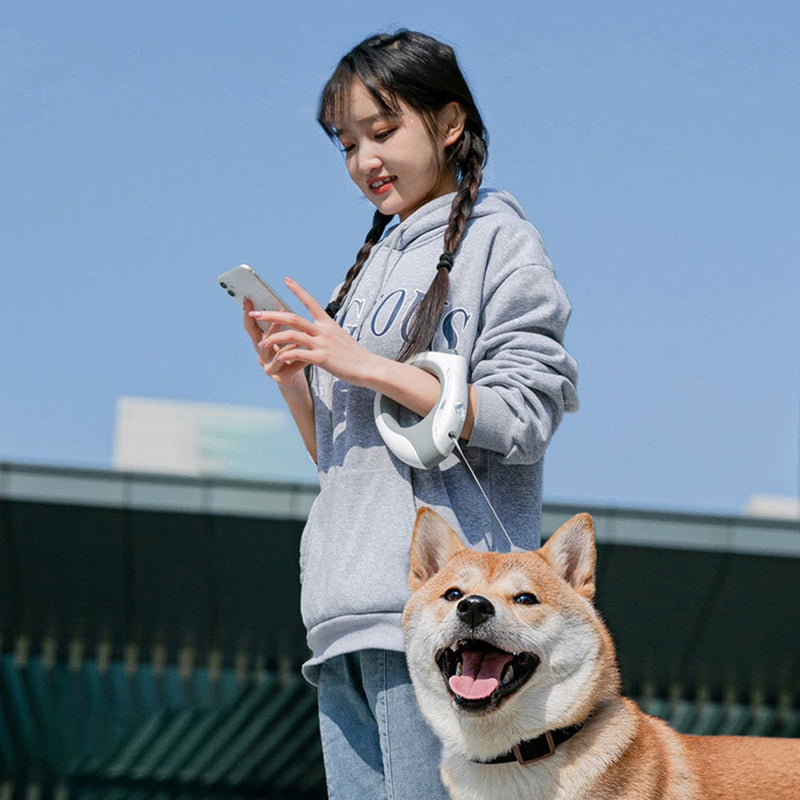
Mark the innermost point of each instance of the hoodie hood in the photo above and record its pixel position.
(425, 228)
(432, 217)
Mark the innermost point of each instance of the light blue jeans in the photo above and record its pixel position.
(375, 743)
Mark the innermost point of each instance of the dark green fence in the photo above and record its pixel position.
(113, 730)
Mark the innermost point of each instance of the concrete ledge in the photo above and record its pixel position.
(225, 497)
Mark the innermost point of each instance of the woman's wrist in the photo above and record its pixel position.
(373, 371)
(410, 386)
(416, 389)
(294, 388)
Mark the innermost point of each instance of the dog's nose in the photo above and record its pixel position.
(474, 610)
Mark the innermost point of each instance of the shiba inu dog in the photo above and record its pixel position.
(516, 673)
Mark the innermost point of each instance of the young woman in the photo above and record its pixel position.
(461, 269)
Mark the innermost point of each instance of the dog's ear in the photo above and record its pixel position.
(432, 546)
(570, 552)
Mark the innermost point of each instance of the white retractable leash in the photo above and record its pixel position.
(428, 442)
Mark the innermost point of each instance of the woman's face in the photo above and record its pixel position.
(396, 161)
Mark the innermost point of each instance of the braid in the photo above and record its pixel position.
(379, 223)
(471, 175)
(429, 311)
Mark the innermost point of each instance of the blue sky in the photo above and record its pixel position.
(147, 147)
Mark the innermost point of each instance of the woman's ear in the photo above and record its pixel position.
(452, 119)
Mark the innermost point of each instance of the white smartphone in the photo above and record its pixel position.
(243, 281)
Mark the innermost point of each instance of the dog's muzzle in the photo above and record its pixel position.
(480, 676)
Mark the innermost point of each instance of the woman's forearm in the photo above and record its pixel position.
(415, 389)
(298, 399)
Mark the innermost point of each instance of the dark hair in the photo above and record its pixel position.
(423, 73)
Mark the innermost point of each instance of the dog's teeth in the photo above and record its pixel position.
(508, 675)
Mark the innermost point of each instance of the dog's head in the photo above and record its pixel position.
(504, 646)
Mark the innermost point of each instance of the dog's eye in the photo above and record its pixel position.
(526, 599)
(453, 594)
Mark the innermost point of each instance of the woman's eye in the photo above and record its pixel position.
(381, 135)
(526, 599)
(453, 594)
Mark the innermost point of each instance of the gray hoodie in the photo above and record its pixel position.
(506, 314)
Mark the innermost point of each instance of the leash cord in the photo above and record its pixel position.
(485, 496)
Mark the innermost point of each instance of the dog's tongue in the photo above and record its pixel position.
(480, 673)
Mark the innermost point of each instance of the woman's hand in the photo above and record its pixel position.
(281, 372)
(288, 374)
(293, 341)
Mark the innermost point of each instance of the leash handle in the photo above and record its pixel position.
(428, 442)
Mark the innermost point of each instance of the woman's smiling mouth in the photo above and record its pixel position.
(381, 185)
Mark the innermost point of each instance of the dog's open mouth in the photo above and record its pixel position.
(479, 676)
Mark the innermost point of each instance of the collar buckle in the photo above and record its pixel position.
(537, 755)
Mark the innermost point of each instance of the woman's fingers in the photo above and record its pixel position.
(314, 308)
(288, 336)
(284, 319)
(282, 371)
(294, 341)
(250, 324)
(292, 320)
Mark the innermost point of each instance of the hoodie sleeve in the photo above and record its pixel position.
(523, 376)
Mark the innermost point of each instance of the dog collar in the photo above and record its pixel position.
(532, 750)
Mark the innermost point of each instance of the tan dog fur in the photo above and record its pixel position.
(620, 753)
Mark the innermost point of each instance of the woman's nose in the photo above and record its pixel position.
(368, 159)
